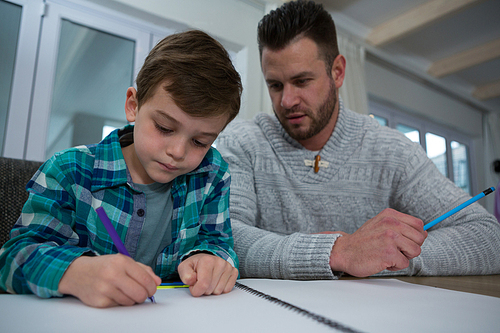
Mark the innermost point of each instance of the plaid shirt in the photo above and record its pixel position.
(59, 223)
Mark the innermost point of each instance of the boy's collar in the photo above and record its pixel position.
(110, 168)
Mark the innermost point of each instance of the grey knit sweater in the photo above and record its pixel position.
(277, 202)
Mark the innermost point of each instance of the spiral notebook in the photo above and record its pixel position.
(320, 319)
(374, 305)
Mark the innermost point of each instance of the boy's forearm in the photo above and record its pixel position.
(225, 252)
(32, 267)
(215, 234)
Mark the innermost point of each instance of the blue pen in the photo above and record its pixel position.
(462, 206)
(175, 283)
(172, 285)
(114, 236)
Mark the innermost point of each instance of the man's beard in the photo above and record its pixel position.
(318, 121)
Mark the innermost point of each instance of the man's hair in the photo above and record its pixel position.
(196, 71)
(299, 19)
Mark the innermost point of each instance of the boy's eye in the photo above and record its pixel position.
(200, 144)
(162, 129)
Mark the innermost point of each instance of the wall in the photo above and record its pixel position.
(411, 95)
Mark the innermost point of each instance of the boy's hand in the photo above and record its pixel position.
(207, 274)
(109, 280)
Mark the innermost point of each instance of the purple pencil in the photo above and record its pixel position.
(114, 236)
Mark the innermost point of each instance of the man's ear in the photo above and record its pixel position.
(338, 70)
(131, 105)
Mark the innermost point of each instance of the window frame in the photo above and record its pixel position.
(22, 81)
(49, 46)
(395, 115)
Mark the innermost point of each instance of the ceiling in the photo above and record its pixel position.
(453, 45)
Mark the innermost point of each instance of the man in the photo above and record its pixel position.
(319, 190)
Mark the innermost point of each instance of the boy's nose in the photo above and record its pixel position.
(177, 150)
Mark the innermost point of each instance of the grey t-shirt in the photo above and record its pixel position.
(156, 232)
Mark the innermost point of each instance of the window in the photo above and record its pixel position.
(382, 121)
(80, 107)
(10, 23)
(59, 103)
(18, 98)
(435, 146)
(61, 85)
(89, 64)
(460, 158)
(449, 150)
(411, 133)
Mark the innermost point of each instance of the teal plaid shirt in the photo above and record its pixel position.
(59, 223)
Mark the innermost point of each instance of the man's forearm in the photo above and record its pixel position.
(298, 256)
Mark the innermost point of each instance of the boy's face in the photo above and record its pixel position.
(167, 141)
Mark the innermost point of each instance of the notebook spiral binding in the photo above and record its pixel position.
(286, 305)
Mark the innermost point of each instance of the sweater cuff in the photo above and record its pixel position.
(307, 257)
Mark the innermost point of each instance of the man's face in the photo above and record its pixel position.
(303, 94)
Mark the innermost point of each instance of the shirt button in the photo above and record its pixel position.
(140, 212)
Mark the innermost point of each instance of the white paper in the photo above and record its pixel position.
(375, 305)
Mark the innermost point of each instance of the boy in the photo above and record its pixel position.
(163, 186)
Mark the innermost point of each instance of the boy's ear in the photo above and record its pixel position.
(131, 103)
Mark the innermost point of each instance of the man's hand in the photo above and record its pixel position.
(387, 241)
(109, 280)
(207, 274)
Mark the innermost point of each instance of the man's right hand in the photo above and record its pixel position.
(387, 241)
(109, 280)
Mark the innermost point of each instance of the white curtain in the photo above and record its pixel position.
(491, 142)
(353, 91)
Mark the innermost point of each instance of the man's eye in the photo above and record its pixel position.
(275, 86)
(302, 82)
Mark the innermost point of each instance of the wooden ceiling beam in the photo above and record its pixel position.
(466, 59)
(415, 19)
(487, 91)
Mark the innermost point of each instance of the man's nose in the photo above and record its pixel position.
(289, 97)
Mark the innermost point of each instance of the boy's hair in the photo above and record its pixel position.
(299, 19)
(196, 71)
